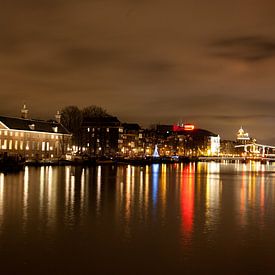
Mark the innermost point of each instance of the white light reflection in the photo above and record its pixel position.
(155, 182)
(67, 192)
(82, 189)
(98, 191)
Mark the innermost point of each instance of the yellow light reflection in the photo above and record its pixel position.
(213, 194)
(25, 196)
(98, 190)
(2, 180)
(163, 191)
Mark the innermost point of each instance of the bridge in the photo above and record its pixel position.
(258, 149)
(252, 151)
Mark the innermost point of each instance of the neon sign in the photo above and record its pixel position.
(185, 127)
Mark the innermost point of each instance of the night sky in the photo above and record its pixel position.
(211, 63)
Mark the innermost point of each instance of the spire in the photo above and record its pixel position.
(24, 112)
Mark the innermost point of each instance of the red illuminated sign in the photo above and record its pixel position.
(185, 127)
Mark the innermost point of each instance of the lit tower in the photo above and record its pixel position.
(242, 136)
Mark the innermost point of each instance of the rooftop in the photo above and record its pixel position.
(33, 125)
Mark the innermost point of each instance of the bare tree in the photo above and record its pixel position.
(71, 118)
(94, 112)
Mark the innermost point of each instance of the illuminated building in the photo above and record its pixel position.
(243, 137)
(102, 136)
(132, 140)
(33, 139)
(182, 140)
(215, 145)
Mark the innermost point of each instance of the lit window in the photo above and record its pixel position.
(21, 145)
(107, 129)
(43, 146)
(52, 136)
(27, 146)
(16, 145)
(48, 146)
(56, 137)
(10, 145)
(6, 133)
(88, 129)
(16, 134)
(21, 134)
(11, 133)
(4, 146)
(55, 129)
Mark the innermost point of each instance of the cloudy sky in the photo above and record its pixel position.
(148, 61)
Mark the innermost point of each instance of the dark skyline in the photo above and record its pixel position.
(206, 62)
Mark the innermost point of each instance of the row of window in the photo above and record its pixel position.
(107, 129)
(22, 134)
(28, 145)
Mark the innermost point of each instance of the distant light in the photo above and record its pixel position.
(185, 127)
(189, 127)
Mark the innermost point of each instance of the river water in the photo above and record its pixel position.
(203, 218)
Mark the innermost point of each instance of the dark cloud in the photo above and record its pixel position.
(246, 48)
(144, 61)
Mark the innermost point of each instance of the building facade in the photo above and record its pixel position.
(133, 142)
(33, 139)
(102, 136)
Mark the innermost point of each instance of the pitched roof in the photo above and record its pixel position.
(33, 125)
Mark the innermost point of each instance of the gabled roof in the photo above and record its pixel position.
(15, 123)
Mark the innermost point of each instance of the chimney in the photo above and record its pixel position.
(24, 112)
(58, 117)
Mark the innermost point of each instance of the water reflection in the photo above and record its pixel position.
(98, 190)
(213, 194)
(187, 200)
(1, 199)
(155, 183)
(25, 196)
(179, 203)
